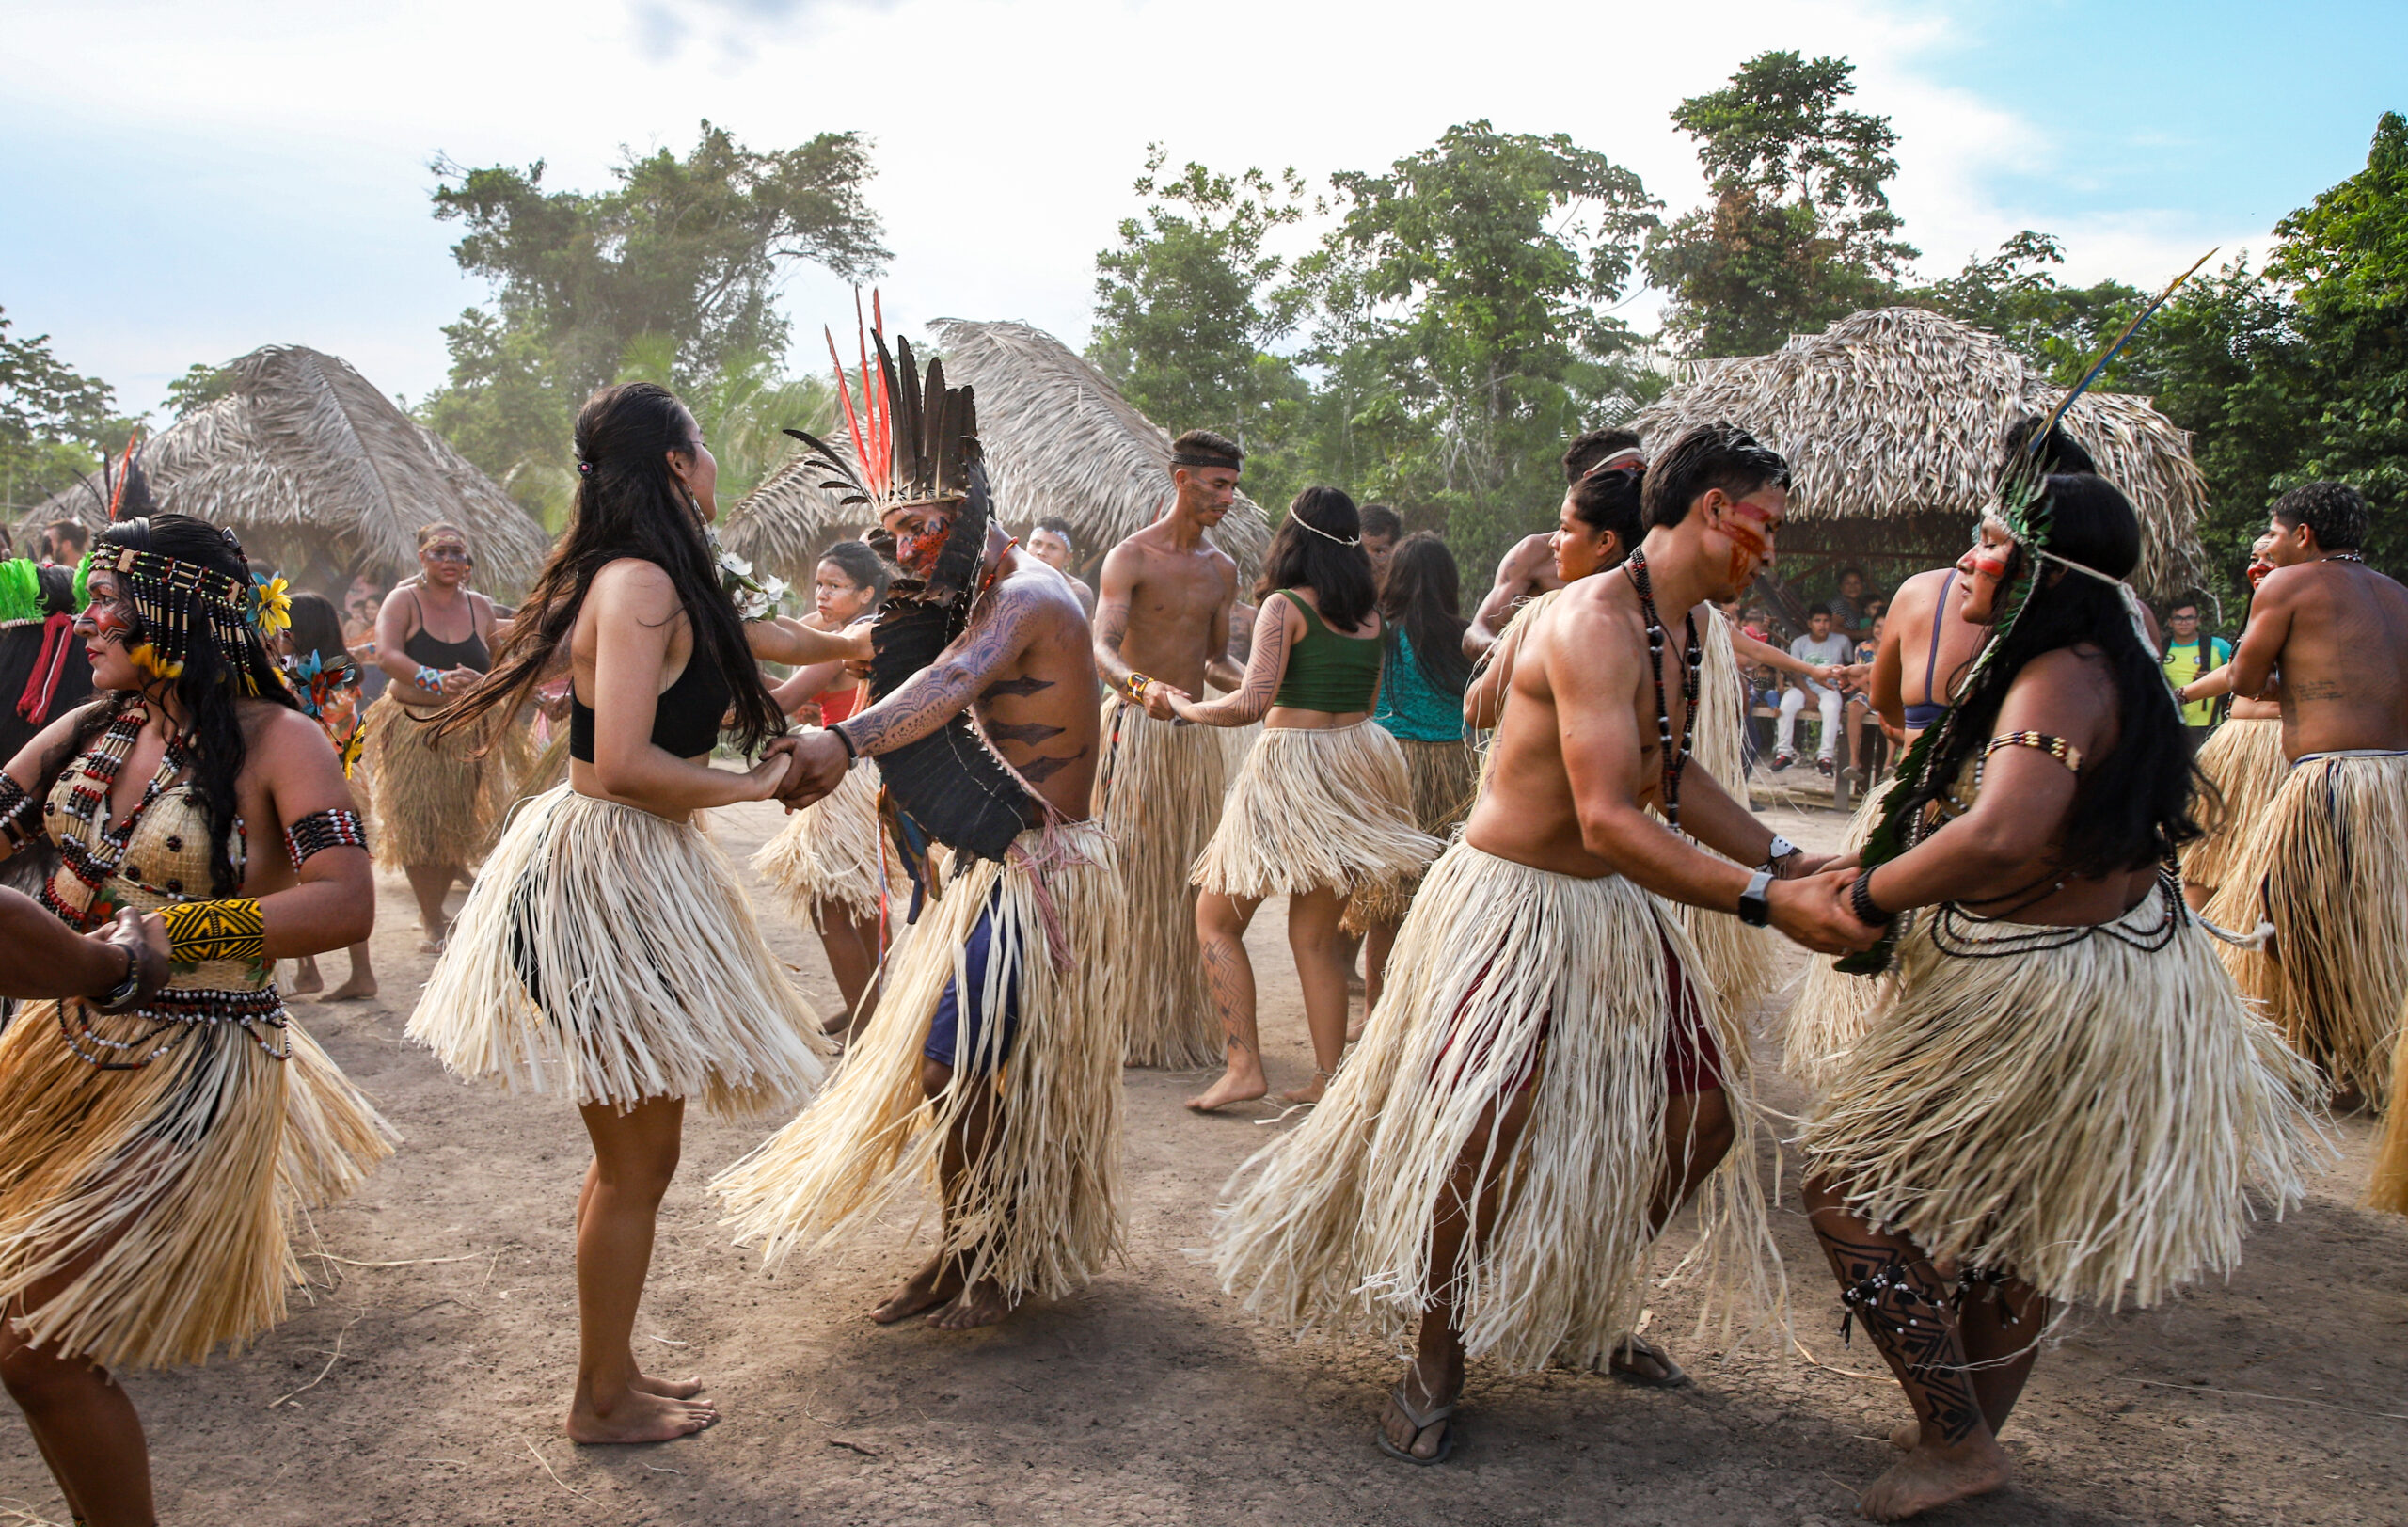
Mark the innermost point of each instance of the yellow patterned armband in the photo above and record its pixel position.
(199, 931)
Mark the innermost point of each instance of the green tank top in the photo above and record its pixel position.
(1326, 671)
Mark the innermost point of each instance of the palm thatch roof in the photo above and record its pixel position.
(1061, 442)
(306, 461)
(1893, 421)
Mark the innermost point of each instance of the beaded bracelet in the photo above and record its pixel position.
(199, 931)
(1861, 903)
(1136, 686)
(337, 827)
(16, 804)
(429, 678)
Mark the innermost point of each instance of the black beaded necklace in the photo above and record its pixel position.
(1675, 758)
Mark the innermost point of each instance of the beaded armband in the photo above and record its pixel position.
(429, 678)
(337, 827)
(199, 932)
(1136, 686)
(2055, 747)
(16, 805)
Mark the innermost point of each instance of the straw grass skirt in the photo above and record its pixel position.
(1040, 1212)
(1739, 960)
(186, 1172)
(438, 803)
(2244, 760)
(2091, 1118)
(830, 851)
(1501, 971)
(1327, 808)
(2327, 862)
(1445, 780)
(1831, 1009)
(609, 954)
(1158, 789)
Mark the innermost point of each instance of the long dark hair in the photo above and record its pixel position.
(208, 688)
(860, 562)
(2132, 807)
(1421, 599)
(628, 504)
(1331, 563)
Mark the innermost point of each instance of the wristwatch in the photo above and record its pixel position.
(121, 996)
(1755, 908)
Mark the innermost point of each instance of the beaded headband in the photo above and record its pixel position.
(171, 597)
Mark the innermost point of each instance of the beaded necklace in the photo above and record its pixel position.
(1675, 758)
(90, 847)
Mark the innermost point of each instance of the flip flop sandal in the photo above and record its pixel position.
(1422, 1422)
(1673, 1377)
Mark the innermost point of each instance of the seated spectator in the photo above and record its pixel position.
(1846, 608)
(1824, 646)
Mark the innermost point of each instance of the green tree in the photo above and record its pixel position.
(1798, 229)
(55, 423)
(687, 249)
(202, 384)
(1189, 304)
(1465, 329)
(2014, 294)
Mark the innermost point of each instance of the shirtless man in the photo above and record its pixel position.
(1577, 767)
(1051, 541)
(1024, 669)
(2329, 635)
(1163, 629)
(1530, 568)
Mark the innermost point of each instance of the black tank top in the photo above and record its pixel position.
(424, 650)
(685, 719)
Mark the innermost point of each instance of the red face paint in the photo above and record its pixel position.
(2257, 571)
(1990, 563)
(1751, 543)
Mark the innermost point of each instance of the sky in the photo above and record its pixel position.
(184, 183)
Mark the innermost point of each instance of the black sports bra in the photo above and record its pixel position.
(424, 649)
(685, 719)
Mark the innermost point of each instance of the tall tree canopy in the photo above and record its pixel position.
(680, 258)
(1189, 303)
(55, 420)
(1465, 329)
(1798, 229)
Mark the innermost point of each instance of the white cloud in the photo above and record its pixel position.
(279, 150)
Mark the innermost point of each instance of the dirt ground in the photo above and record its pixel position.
(428, 1372)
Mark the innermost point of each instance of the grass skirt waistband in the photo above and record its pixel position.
(1158, 788)
(1327, 808)
(1040, 1212)
(2092, 1116)
(1500, 971)
(183, 1175)
(609, 954)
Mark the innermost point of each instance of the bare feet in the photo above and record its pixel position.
(1426, 1386)
(983, 1303)
(1933, 1475)
(932, 1285)
(668, 1389)
(306, 978)
(1236, 1084)
(1310, 1092)
(636, 1417)
(358, 988)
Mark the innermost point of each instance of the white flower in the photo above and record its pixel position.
(734, 565)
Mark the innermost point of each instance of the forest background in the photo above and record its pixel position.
(1427, 334)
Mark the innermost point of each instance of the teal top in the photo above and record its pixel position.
(1411, 708)
(1326, 671)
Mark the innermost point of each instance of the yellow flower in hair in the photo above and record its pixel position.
(147, 659)
(271, 605)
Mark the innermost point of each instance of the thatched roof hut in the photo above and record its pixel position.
(1061, 442)
(320, 473)
(1893, 421)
